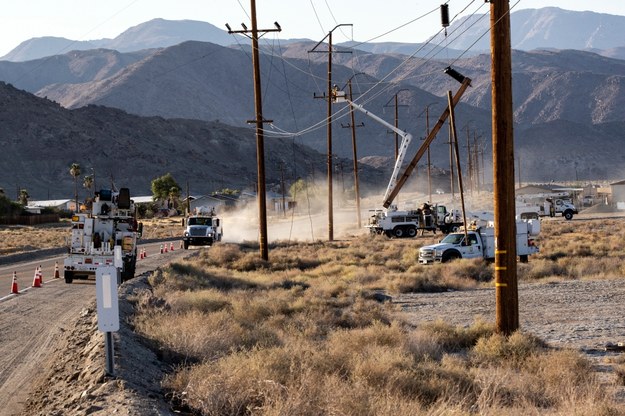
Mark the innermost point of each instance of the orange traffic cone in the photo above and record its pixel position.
(141, 254)
(161, 249)
(56, 270)
(36, 278)
(14, 289)
(40, 274)
(171, 246)
(165, 248)
(145, 253)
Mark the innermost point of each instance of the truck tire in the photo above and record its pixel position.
(412, 231)
(69, 276)
(523, 258)
(568, 214)
(450, 255)
(398, 232)
(185, 245)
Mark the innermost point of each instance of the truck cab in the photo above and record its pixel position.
(202, 230)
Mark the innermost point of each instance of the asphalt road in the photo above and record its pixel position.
(33, 323)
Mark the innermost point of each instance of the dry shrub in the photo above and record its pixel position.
(204, 301)
(541, 269)
(454, 338)
(500, 350)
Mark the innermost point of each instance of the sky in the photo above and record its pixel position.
(312, 19)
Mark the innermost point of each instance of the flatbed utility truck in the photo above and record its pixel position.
(106, 236)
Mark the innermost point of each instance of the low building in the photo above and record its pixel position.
(618, 194)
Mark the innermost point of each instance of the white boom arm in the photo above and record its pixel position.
(406, 139)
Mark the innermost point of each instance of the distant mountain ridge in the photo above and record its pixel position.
(156, 33)
(544, 28)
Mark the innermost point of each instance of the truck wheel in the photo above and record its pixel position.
(398, 232)
(412, 231)
(449, 256)
(69, 276)
(185, 245)
(568, 214)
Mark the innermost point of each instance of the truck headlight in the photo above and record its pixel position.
(186, 234)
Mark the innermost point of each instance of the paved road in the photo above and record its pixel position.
(34, 322)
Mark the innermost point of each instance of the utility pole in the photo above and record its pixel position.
(396, 105)
(329, 125)
(469, 161)
(427, 132)
(188, 200)
(260, 139)
(451, 164)
(476, 161)
(282, 189)
(353, 128)
(506, 285)
(452, 126)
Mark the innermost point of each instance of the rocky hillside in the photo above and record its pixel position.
(40, 140)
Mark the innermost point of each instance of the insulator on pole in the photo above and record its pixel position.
(445, 15)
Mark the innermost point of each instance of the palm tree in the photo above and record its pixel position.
(74, 170)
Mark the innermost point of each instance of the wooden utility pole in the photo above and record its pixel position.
(469, 161)
(355, 154)
(452, 126)
(396, 105)
(506, 289)
(329, 126)
(260, 139)
(427, 132)
(451, 165)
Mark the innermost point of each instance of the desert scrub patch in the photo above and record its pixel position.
(501, 350)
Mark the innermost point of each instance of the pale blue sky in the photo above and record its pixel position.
(85, 20)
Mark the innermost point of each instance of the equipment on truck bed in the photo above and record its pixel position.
(103, 237)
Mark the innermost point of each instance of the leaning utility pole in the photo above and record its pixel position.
(329, 125)
(506, 289)
(260, 139)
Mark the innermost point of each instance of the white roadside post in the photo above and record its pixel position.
(108, 310)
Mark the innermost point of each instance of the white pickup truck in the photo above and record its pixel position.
(481, 244)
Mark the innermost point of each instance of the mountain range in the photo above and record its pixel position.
(567, 103)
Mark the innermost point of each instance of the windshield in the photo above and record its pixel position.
(453, 239)
(200, 221)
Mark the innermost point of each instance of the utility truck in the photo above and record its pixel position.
(550, 207)
(106, 236)
(399, 224)
(479, 242)
(201, 229)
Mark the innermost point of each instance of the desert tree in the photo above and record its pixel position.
(23, 198)
(164, 187)
(74, 170)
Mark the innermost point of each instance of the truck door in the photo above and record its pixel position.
(474, 249)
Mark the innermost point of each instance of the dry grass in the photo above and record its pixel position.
(308, 333)
(21, 239)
